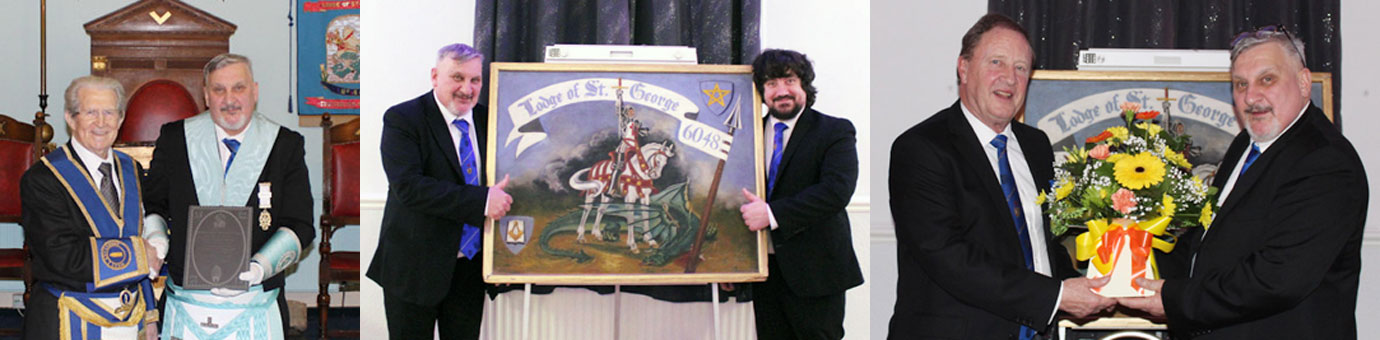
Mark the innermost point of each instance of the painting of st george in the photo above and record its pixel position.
(624, 174)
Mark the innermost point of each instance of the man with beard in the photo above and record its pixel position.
(975, 261)
(1282, 257)
(427, 260)
(81, 216)
(231, 156)
(811, 175)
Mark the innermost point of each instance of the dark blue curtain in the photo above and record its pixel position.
(1059, 29)
(722, 32)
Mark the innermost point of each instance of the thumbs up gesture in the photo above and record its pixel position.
(499, 201)
(755, 212)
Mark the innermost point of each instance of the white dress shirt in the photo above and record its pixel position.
(769, 144)
(221, 135)
(1025, 187)
(93, 164)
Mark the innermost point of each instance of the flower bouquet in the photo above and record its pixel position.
(1131, 188)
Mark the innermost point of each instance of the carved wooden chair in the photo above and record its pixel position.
(340, 203)
(20, 146)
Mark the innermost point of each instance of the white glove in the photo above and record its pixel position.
(255, 276)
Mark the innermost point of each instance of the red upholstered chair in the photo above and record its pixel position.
(20, 146)
(155, 103)
(340, 204)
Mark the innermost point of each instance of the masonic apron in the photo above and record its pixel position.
(120, 299)
(198, 314)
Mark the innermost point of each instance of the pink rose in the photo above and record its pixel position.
(1123, 200)
(1100, 152)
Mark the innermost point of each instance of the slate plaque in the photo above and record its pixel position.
(217, 247)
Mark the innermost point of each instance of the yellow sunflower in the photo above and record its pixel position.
(1167, 207)
(1139, 171)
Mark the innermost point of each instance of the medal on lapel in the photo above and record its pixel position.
(265, 202)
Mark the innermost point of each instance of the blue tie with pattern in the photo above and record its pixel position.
(1250, 158)
(1013, 203)
(777, 146)
(469, 239)
(234, 147)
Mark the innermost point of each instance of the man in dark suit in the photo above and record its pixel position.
(975, 259)
(1282, 257)
(812, 171)
(231, 156)
(78, 201)
(428, 254)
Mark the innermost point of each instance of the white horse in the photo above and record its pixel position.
(634, 181)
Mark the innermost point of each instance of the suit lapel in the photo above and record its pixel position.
(440, 132)
(807, 120)
(971, 154)
(1247, 180)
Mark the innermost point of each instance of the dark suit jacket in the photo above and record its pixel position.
(962, 271)
(428, 201)
(1283, 256)
(815, 181)
(169, 191)
(57, 233)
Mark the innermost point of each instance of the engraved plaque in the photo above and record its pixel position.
(217, 247)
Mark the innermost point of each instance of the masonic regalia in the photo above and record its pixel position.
(120, 299)
(198, 314)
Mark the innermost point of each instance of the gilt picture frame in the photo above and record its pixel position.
(624, 174)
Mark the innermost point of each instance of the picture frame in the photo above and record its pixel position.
(681, 140)
(1071, 106)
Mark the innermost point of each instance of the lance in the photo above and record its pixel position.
(612, 188)
(733, 123)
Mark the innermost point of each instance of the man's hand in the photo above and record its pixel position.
(754, 212)
(1153, 305)
(499, 201)
(155, 263)
(1079, 300)
(150, 331)
(255, 275)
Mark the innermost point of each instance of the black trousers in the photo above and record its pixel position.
(781, 314)
(458, 315)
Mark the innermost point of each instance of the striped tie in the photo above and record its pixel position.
(469, 239)
(1013, 203)
(777, 145)
(112, 199)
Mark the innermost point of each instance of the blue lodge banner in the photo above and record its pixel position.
(328, 57)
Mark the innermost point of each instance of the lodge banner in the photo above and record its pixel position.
(328, 57)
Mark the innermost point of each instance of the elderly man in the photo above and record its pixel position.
(428, 255)
(811, 175)
(93, 271)
(231, 156)
(975, 259)
(1282, 257)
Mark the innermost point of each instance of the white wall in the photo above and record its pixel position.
(397, 68)
(262, 35)
(913, 77)
(835, 36)
(400, 72)
(914, 55)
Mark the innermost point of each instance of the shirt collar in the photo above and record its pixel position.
(90, 159)
(984, 133)
(450, 116)
(221, 134)
(790, 123)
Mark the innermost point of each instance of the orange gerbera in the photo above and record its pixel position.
(1100, 137)
(1147, 115)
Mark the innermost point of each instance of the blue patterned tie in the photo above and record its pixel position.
(1013, 203)
(234, 147)
(1250, 158)
(777, 146)
(469, 239)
